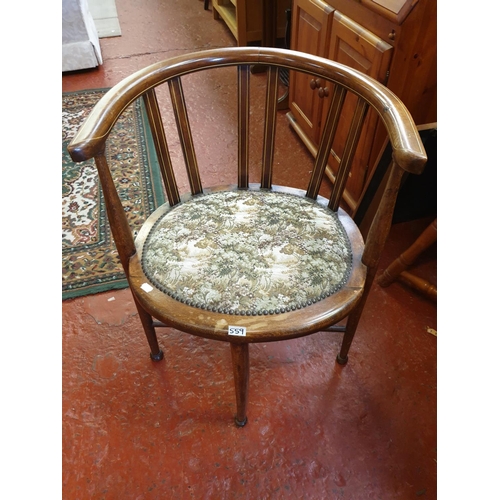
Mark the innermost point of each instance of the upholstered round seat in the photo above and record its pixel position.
(247, 252)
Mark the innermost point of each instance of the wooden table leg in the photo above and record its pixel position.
(398, 268)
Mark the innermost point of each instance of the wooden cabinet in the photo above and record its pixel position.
(355, 46)
(244, 18)
(311, 24)
(393, 41)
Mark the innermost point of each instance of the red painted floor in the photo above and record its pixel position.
(134, 429)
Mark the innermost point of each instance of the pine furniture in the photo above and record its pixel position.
(393, 41)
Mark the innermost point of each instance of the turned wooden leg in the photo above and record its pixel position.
(419, 284)
(350, 330)
(353, 320)
(407, 258)
(241, 371)
(156, 353)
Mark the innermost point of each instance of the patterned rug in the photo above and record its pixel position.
(90, 262)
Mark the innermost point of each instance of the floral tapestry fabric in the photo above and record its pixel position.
(248, 252)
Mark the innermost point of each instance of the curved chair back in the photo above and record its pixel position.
(408, 151)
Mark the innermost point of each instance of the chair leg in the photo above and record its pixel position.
(241, 371)
(156, 353)
(350, 330)
(353, 320)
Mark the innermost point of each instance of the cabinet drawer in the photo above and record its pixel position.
(359, 48)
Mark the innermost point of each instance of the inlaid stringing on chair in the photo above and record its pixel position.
(250, 262)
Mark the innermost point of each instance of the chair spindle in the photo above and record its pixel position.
(349, 151)
(326, 141)
(269, 127)
(243, 124)
(184, 129)
(161, 146)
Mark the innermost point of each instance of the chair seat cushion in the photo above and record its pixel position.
(248, 252)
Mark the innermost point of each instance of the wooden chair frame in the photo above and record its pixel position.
(408, 155)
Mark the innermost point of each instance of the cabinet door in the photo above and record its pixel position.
(355, 46)
(311, 28)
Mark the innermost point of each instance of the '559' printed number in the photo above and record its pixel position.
(239, 331)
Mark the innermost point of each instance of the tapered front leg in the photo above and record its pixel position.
(375, 242)
(241, 371)
(350, 330)
(156, 353)
(353, 320)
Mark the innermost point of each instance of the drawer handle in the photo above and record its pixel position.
(314, 84)
(323, 92)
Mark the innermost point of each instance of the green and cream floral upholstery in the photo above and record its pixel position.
(248, 252)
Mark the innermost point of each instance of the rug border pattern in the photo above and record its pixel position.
(152, 181)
